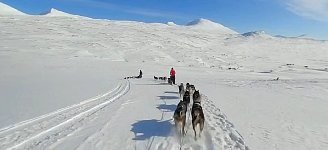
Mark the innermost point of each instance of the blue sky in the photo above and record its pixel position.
(277, 17)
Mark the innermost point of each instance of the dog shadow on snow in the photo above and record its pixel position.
(145, 129)
(168, 97)
(152, 84)
(166, 107)
(170, 92)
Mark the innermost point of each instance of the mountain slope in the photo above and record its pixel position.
(7, 10)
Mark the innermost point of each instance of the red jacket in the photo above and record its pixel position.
(172, 72)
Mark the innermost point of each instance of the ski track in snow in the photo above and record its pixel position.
(48, 128)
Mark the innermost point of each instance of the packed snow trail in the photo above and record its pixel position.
(142, 117)
(218, 133)
(145, 121)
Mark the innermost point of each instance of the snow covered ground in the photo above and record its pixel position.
(62, 87)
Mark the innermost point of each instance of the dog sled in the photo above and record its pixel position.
(169, 81)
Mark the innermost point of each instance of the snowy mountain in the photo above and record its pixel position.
(302, 37)
(205, 24)
(62, 86)
(255, 33)
(57, 13)
(7, 10)
(171, 24)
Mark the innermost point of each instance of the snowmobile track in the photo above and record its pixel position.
(53, 126)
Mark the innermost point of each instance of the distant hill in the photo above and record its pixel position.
(256, 34)
(205, 24)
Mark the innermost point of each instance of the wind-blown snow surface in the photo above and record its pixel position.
(51, 66)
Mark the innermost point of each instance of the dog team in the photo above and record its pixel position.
(135, 77)
(170, 80)
(180, 114)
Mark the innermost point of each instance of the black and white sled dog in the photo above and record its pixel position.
(187, 86)
(181, 89)
(196, 97)
(191, 88)
(198, 118)
(180, 115)
(186, 97)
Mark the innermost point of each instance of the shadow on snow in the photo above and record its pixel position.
(167, 108)
(170, 92)
(145, 129)
(168, 97)
(154, 84)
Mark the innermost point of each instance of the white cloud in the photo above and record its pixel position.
(313, 9)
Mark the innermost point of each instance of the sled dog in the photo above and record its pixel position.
(179, 117)
(196, 97)
(197, 118)
(186, 97)
(191, 88)
(181, 89)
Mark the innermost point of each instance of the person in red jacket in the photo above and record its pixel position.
(172, 75)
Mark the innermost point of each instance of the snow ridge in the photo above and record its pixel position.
(256, 34)
(7, 10)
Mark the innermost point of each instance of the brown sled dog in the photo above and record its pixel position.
(197, 118)
(180, 115)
